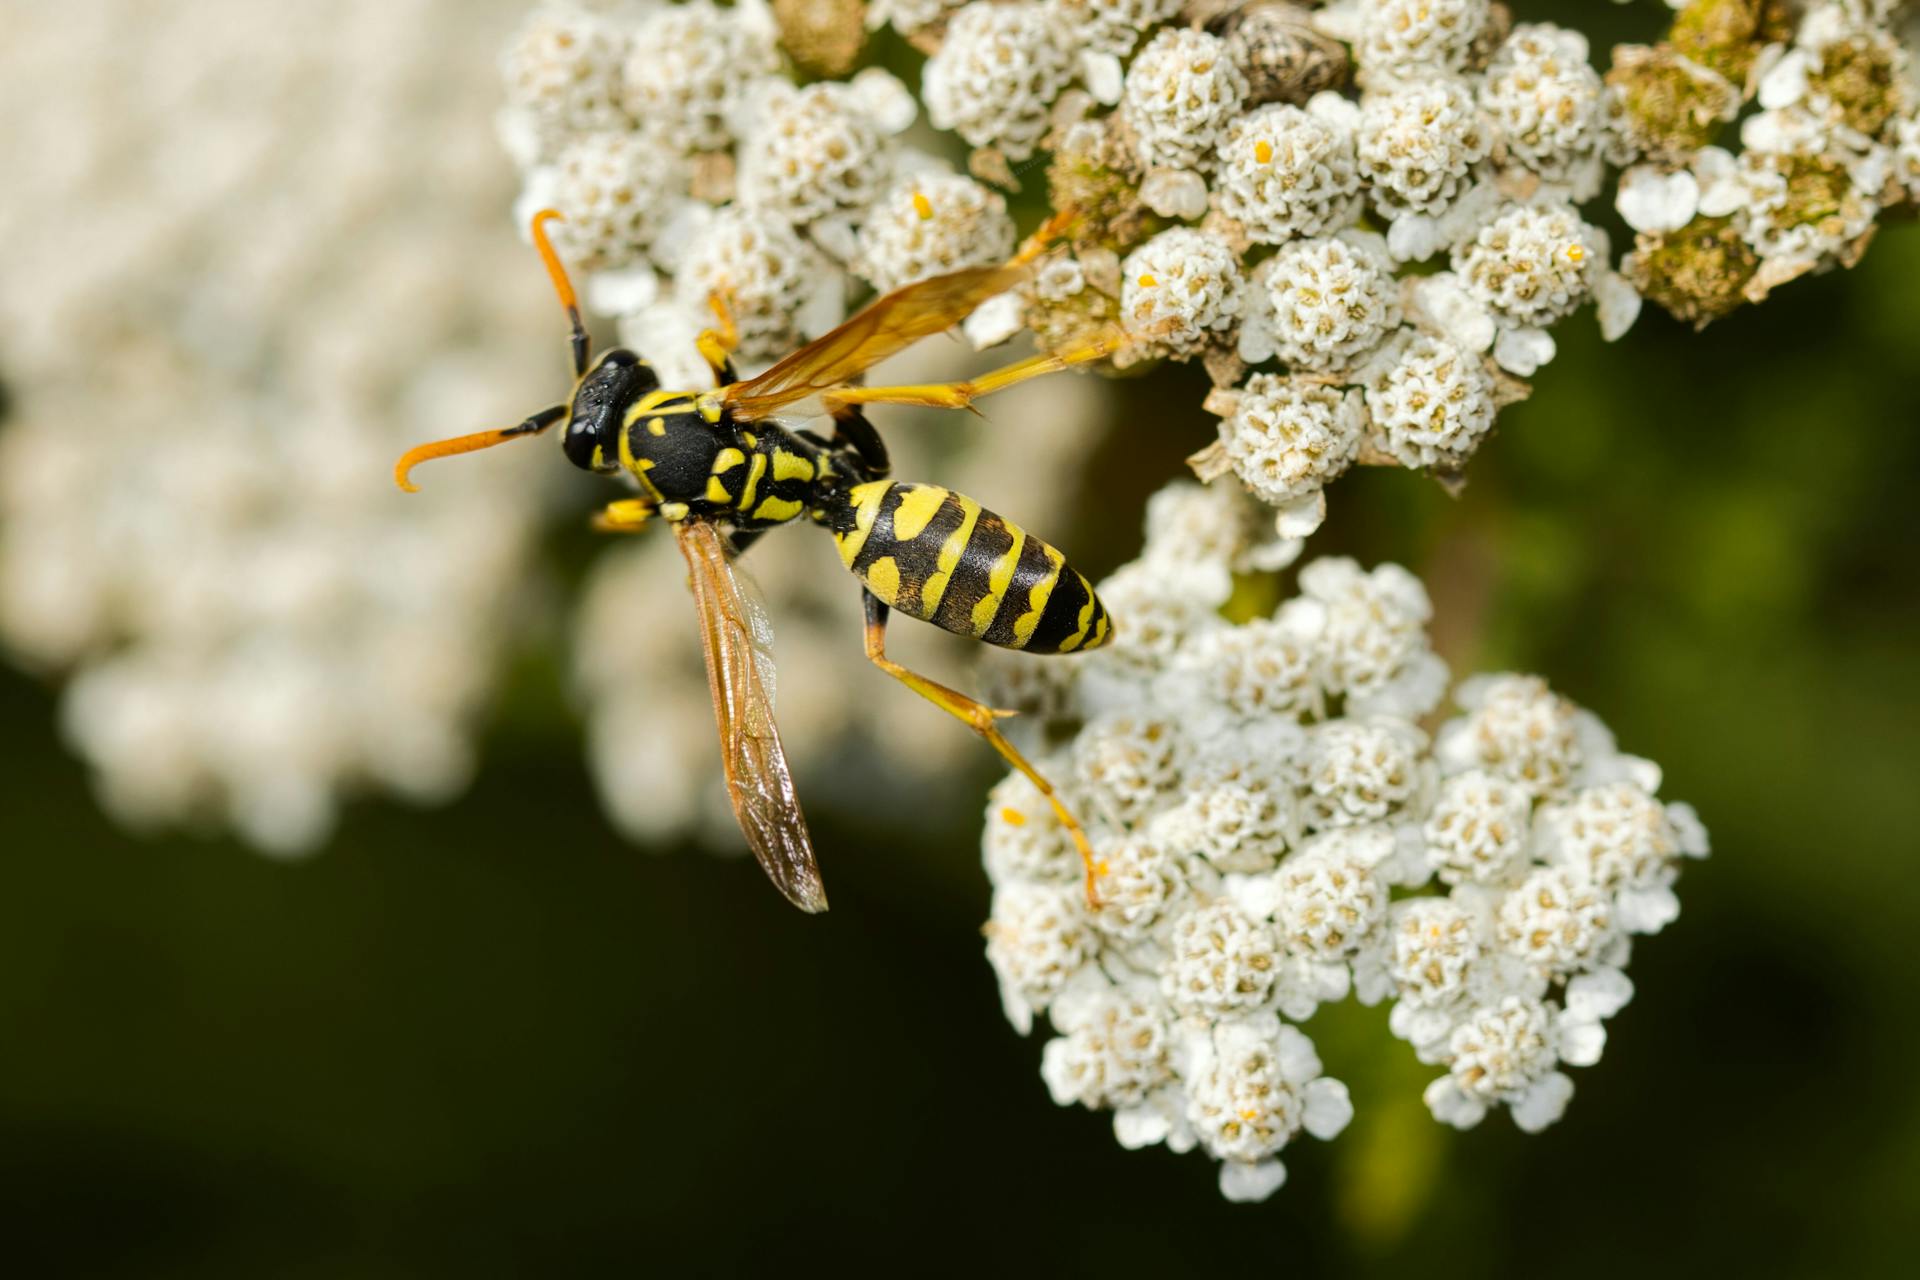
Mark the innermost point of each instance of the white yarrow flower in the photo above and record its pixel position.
(1252, 823)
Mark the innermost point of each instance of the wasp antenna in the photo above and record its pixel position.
(469, 444)
(562, 286)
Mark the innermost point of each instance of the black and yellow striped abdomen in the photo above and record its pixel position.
(939, 556)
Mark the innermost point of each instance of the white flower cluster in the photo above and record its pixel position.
(1481, 169)
(1829, 147)
(1181, 93)
(712, 172)
(1273, 831)
(1285, 171)
(931, 225)
(908, 17)
(1414, 238)
(197, 532)
(1402, 40)
(997, 70)
(1544, 99)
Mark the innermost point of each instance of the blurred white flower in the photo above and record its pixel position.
(614, 192)
(930, 225)
(811, 152)
(253, 622)
(563, 74)
(778, 286)
(1544, 98)
(690, 69)
(1116, 26)
(1401, 40)
(998, 69)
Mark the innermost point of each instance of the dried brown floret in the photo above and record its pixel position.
(1698, 273)
(1727, 35)
(1859, 77)
(1663, 105)
(1283, 57)
(822, 36)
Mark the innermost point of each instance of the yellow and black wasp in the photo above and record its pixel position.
(716, 467)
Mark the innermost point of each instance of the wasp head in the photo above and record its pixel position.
(617, 379)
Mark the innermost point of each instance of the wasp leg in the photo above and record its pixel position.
(628, 515)
(718, 344)
(851, 426)
(1054, 228)
(979, 717)
(961, 395)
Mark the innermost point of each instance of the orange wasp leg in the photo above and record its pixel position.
(979, 717)
(718, 344)
(628, 515)
(961, 395)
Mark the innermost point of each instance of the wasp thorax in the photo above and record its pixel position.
(592, 440)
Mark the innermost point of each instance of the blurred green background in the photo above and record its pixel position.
(495, 1039)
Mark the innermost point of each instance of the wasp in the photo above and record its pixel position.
(716, 467)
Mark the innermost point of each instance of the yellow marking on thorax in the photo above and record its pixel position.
(776, 509)
(866, 499)
(1037, 599)
(998, 579)
(883, 578)
(935, 587)
(757, 469)
(656, 426)
(636, 467)
(652, 402)
(917, 508)
(717, 491)
(726, 460)
(790, 466)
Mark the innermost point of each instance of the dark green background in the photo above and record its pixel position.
(496, 1040)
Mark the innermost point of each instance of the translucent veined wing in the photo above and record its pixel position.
(886, 325)
(735, 637)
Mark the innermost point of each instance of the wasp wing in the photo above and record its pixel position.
(884, 326)
(734, 636)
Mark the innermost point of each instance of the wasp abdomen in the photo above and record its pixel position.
(939, 556)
